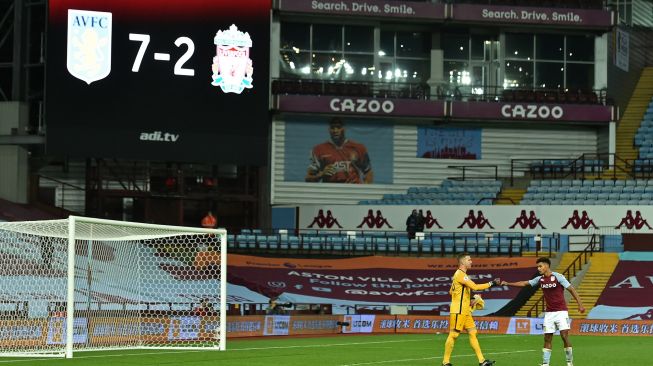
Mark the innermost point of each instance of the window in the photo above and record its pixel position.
(327, 37)
(455, 46)
(550, 75)
(359, 39)
(404, 57)
(580, 48)
(550, 47)
(295, 63)
(519, 74)
(519, 46)
(296, 36)
(413, 44)
(580, 76)
(326, 51)
(457, 72)
(549, 61)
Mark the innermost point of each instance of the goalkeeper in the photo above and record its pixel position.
(460, 316)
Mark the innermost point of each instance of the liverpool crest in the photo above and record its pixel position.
(232, 67)
(89, 44)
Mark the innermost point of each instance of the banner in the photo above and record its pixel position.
(517, 219)
(622, 49)
(276, 325)
(315, 324)
(497, 14)
(387, 107)
(374, 280)
(346, 151)
(31, 333)
(449, 143)
(628, 294)
(532, 112)
(358, 323)
(23, 333)
(245, 326)
(391, 9)
(612, 327)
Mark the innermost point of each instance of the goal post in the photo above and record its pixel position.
(93, 284)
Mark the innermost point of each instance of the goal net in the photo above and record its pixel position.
(91, 284)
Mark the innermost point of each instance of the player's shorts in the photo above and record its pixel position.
(460, 322)
(556, 320)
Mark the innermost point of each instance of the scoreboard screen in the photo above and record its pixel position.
(158, 79)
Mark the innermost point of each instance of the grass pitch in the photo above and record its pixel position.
(382, 350)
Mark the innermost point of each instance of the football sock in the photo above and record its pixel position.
(546, 355)
(473, 341)
(569, 353)
(448, 346)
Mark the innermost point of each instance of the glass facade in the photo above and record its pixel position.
(549, 61)
(326, 51)
(348, 52)
(474, 61)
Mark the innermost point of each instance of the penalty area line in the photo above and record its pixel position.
(431, 358)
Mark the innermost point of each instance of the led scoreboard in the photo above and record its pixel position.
(180, 80)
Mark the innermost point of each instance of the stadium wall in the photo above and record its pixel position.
(499, 144)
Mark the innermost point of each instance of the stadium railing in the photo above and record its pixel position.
(389, 243)
(442, 91)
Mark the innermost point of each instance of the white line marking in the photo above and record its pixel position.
(432, 358)
(162, 56)
(430, 339)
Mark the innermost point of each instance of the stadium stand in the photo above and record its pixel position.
(589, 192)
(644, 141)
(352, 243)
(450, 192)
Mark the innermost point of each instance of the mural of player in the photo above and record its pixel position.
(339, 160)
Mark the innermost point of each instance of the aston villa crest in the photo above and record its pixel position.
(232, 67)
(89, 44)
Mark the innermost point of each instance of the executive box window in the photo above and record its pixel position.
(348, 52)
(550, 47)
(404, 56)
(579, 76)
(519, 46)
(549, 61)
(455, 46)
(520, 74)
(580, 48)
(359, 39)
(550, 75)
(327, 51)
(471, 62)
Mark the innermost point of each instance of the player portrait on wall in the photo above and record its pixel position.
(339, 160)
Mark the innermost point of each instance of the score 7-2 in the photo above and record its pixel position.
(179, 65)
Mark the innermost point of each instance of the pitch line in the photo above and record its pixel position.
(431, 358)
(235, 350)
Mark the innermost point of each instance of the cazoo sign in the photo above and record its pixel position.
(532, 111)
(362, 105)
